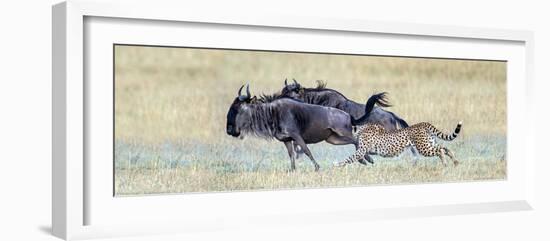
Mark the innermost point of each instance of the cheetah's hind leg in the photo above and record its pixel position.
(451, 155)
(441, 155)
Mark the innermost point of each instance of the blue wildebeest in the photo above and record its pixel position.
(289, 120)
(321, 95)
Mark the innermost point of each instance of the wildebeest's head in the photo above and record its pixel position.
(293, 90)
(234, 119)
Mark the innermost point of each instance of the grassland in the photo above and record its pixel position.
(171, 106)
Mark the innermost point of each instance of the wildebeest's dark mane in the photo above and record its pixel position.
(321, 84)
(311, 95)
(268, 98)
(262, 118)
(321, 87)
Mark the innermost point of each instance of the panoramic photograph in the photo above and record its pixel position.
(197, 120)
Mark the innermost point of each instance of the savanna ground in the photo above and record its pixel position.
(171, 106)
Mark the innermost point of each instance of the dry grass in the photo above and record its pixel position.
(198, 179)
(171, 106)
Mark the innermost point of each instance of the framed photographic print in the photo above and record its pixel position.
(208, 122)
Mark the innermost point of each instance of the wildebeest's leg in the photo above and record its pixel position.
(415, 160)
(415, 154)
(289, 148)
(342, 136)
(341, 140)
(297, 150)
(344, 132)
(302, 144)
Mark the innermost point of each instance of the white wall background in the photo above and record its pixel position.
(25, 123)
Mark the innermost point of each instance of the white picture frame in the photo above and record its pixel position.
(73, 193)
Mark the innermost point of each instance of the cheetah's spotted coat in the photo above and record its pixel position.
(373, 139)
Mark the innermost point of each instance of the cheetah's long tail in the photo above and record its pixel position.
(446, 137)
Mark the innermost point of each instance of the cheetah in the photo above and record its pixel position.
(373, 139)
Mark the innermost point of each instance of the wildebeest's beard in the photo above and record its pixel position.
(254, 118)
(258, 119)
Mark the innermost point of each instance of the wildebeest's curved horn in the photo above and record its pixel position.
(295, 82)
(248, 91)
(285, 82)
(239, 93)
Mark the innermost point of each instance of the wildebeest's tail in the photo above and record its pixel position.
(446, 137)
(379, 99)
(402, 123)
